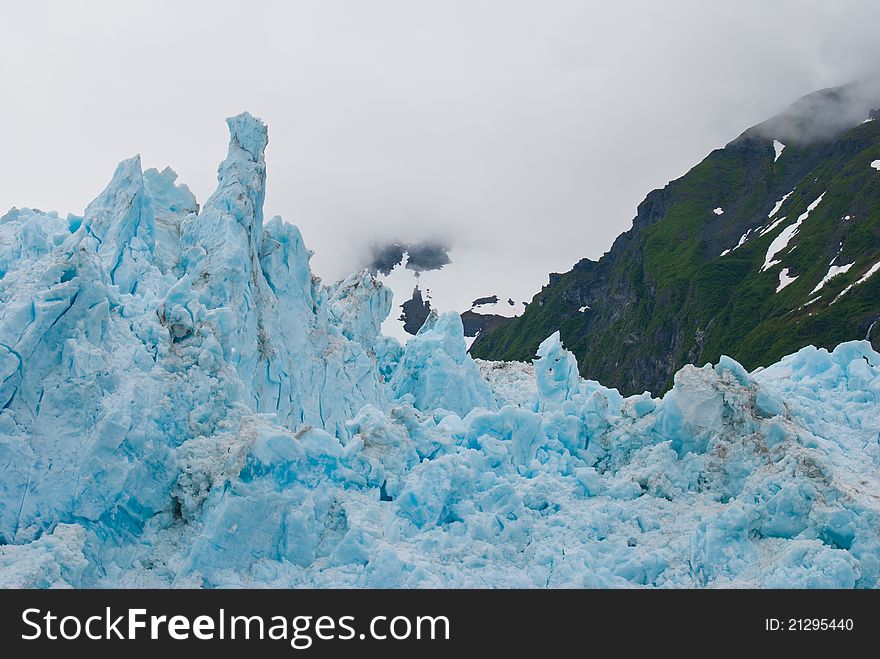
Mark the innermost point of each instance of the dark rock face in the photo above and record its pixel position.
(664, 295)
(475, 323)
(873, 334)
(415, 312)
(493, 299)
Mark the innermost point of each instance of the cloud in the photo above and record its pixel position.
(823, 114)
(420, 257)
(523, 134)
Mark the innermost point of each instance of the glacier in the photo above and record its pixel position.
(183, 403)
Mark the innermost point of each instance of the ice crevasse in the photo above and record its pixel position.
(183, 403)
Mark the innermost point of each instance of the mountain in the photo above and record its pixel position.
(769, 244)
(487, 313)
(424, 278)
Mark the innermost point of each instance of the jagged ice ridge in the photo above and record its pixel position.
(182, 403)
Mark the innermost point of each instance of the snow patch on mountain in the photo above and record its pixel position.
(778, 148)
(784, 279)
(833, 271)
(742, 241)
(778, 205)
(772, 226)
(760, 231)
(861, 280)
(781, 241)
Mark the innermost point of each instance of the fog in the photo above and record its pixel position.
(521, 134)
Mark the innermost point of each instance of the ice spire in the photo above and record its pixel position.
(221, 245)
(241, 178)
(556, 371)
(121, 219)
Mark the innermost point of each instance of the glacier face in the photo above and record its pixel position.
(182, 403)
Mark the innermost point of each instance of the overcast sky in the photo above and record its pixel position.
(523, 133)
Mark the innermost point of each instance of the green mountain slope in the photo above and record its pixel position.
(673, 290)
